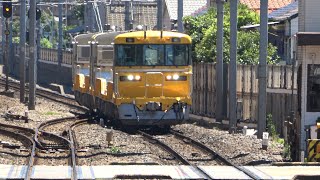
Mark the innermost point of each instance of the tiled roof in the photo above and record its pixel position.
(143, 14)
(273, 4)
(189, 7)
(285, 13)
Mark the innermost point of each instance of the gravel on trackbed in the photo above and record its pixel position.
(238, 148)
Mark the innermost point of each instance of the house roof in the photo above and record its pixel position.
(273, 4)
(285, 13)
(190, 7)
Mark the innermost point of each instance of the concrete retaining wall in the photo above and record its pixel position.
(47, 73)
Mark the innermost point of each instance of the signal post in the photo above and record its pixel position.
(7, 13)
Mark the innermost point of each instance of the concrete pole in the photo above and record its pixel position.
(159, 15)
(10, 44)
(219, 66)
(33, 55)
(22, 45)
(3, 37)
(92, 18)
(127, 16)
(6, 56)
(180, 15)
(38, 41)
(60, 34)
(262, 71)
(233, 66)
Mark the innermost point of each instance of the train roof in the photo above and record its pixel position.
(153, 37)
(83, 39)
(105, 38)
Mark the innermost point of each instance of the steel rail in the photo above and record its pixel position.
(214, 153)
(73, 147)
(174, 153)
(48, 95)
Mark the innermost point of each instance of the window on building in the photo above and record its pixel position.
(313, 88)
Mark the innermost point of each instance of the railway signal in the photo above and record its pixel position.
(7, 9)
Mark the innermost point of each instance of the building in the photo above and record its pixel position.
(281, 34)
(255, 4)
(190, 7)
(308, 57)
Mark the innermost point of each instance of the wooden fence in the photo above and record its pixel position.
(279, 94)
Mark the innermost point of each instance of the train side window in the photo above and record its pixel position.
(313, 88)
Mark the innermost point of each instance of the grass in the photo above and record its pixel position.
(115, 150)
(50, 113)
(275, 137)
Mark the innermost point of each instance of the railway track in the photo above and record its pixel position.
(61, 146)
(24, 135)
(170, 147)
(48, 95)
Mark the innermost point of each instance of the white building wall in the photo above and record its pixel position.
(311, 55)
(312, 20)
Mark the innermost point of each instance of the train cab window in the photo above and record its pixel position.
(177, 55)
(126, 55)
(153, 55)
(313, 88)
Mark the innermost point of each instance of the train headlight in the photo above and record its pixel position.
(137, 78)
(130, 77)
(175, 77)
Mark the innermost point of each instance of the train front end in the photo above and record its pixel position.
(152, 77)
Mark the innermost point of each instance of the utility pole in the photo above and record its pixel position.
(159, 15)
(219, 65)
(233, 66)
(33, 55)
(60, 34)
(3, 38)
(262, 69)
(180, 15)
(22, 45)
(126, 15)
(6, 55)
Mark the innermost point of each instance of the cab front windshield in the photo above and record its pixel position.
(152, 55)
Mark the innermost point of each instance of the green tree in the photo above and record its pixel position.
(203, 31)
(45, 43)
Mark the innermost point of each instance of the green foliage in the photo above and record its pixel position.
(115, 150)
(203, 31)
(50, 113)
(287, 151)
(16, 39)
(271, 127)
(79, 12)
(45, 43)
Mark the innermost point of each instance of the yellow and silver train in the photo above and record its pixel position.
(144, 78)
